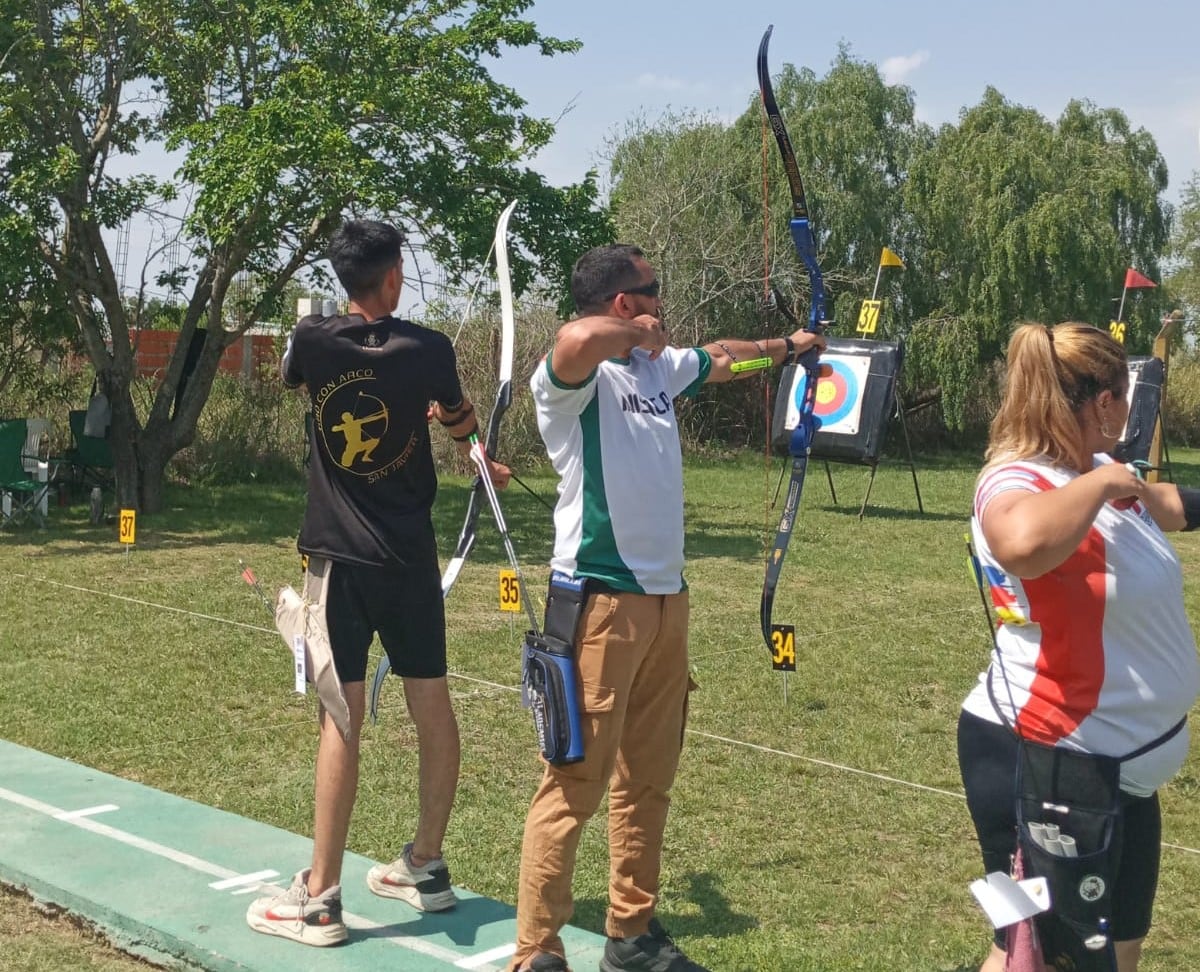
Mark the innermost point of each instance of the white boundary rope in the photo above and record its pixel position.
(767, 750)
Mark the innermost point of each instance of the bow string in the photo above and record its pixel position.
(481, 489)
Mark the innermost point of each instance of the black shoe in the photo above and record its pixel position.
(546, 963)
(652, 952)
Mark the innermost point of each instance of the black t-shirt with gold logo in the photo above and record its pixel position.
(371, 481)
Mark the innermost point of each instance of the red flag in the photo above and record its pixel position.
(1133, 279)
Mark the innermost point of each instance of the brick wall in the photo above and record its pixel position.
(245, 357)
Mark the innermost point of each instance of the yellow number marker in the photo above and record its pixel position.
(783, 647)
(868, 316)
(1117, 330)
(510, 592)
(127, 530)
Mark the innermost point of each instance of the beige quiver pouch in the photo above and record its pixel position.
(299, 615)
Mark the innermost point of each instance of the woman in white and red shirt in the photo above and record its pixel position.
(1094, 648)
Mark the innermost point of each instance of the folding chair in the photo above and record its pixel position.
(37, 432)
(19, 495)
(90, 456)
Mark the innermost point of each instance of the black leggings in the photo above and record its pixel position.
(987, 759)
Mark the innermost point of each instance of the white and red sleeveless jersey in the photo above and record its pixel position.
(1097, 653)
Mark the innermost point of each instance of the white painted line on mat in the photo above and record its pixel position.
(240, 879)
(86, 811)
(429, 949)
(422, 947)
(483, 958)
(131, 840)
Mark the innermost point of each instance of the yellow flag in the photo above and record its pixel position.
(889, 259)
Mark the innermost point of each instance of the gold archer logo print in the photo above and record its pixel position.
(354, 426)
(358, 444)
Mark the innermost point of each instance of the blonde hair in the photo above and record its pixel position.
(1052, 374)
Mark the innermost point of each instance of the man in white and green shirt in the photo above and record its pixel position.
(605, 398)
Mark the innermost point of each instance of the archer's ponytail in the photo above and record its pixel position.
(1052, 373)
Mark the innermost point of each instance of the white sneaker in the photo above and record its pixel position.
(426, 888)
(296, 915)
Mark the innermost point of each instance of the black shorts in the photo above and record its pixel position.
(987, 759)
(403, 604)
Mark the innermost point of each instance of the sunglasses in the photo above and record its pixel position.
(646, 290)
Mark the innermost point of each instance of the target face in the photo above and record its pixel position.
(839, 395)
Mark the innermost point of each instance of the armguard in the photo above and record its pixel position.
(1191, 506)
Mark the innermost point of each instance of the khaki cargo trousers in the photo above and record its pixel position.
(633, 681)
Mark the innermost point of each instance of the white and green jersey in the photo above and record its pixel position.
(614, 442)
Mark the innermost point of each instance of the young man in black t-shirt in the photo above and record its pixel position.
(371, 378)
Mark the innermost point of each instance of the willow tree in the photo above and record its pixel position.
(693, 190)
(1185, 252)
(1024, 218)
(287, 115)
(1017, 217)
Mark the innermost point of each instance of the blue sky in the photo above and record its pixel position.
(649, 56)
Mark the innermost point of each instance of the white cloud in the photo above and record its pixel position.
(897, 69)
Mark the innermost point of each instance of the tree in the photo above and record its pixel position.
(35, 326)
(1019, 218)
(854, 136)
(690, 189)
(1183, 284)
(289, 115)
(684, 189)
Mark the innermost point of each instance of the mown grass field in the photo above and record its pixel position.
(818, 824)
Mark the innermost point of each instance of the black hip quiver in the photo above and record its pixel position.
(549, 679)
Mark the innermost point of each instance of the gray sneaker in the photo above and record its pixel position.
(296, 915)
(654, 951)
(426, 888)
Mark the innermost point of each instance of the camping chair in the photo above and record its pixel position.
(90, 456)
(35, 457)
(20, 496)
(37, 434)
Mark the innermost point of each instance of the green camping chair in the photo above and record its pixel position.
(20, 495)
(90, 456)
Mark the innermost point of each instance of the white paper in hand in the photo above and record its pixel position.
(1006, 901)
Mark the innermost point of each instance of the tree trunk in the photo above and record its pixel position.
(140, 456)
(152, 478)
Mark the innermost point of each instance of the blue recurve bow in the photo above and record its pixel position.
(479, 492)
(801, 439)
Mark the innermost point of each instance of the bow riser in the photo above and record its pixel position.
(503, 401)
(806, 248)
(802, 436)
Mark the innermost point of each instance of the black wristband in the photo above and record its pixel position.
(1191, 507)
(467, 437)
(459, 417)
(789, 348)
